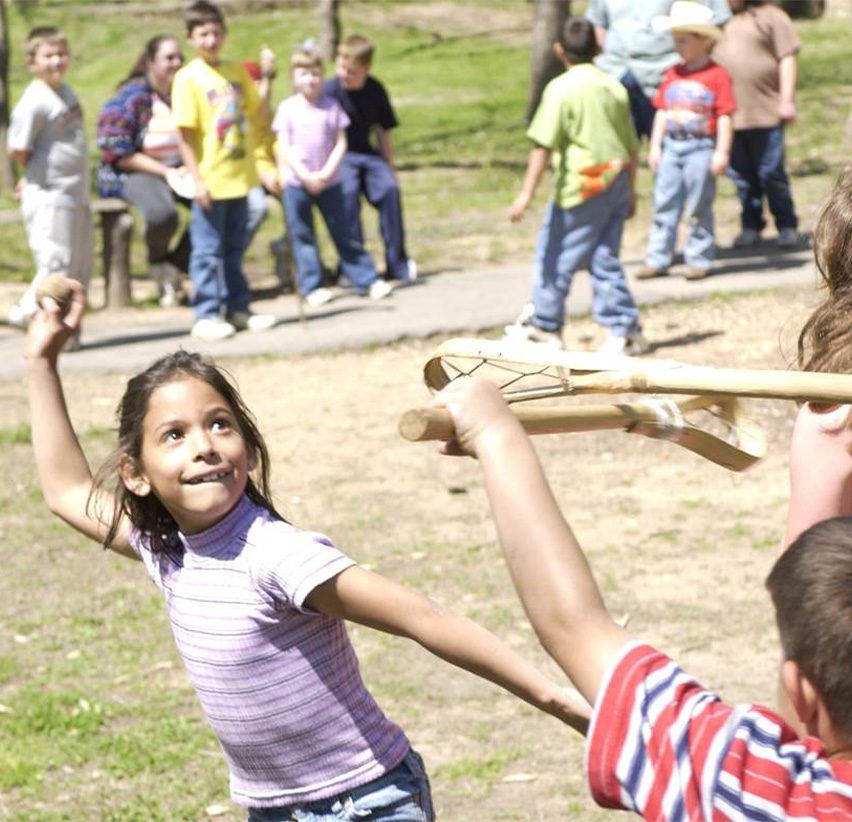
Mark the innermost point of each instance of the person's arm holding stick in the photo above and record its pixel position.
(548, 567)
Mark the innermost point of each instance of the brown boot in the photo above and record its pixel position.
(694, 272)
(647, 272)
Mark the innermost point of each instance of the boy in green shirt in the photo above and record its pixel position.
(583, 127)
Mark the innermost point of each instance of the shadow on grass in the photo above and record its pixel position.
(691, 338)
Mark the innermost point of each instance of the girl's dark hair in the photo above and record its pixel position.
(825, 343)
(147, 513)
(140, 67)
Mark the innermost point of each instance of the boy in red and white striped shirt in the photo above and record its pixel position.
(659, 743)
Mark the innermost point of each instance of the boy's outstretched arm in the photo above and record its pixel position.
(63, 471)
(536, 166)
(550, 571)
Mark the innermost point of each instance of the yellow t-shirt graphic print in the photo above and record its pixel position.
(230, 123)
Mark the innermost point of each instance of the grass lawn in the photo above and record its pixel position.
(457, 73)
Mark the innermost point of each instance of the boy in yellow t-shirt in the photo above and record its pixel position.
(583, 127)
(217, 109)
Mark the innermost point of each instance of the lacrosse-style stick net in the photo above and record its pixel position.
(531, 372)
(526, 372)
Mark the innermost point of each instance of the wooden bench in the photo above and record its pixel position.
(116, 234)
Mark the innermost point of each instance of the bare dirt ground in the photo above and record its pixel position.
(678, 543)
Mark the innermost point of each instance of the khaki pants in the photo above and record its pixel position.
(60, 238)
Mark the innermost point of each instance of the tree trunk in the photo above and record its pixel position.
(329, 11)
(548, 18)
(6, 176)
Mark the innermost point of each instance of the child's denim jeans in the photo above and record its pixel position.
(401, 795)
(757, 169)
(683, 180)
(355, 262)
(587, 235)
(216, 260)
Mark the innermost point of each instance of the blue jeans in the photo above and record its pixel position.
(216, 260)
(401, 795)
(757, 169)
(641, 109)
(587, 235)
(683, 180)
(257, 212)
(371, 176)
(355, 262)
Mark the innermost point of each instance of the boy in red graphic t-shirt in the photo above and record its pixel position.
(690, 143)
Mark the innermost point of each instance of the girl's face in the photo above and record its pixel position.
(194, 457)
(164, 66)
(308, 82)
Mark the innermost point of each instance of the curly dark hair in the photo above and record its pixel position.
(147, 513)
(825, 342)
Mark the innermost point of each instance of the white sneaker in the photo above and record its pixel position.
(18, 316)
(211, 329)
(526, 332)
(380, 289)
(411, 265)
(246, 321)
(631, 345)
(526, 314)
(169, 296)
(318, 297)
(747, 238)
(787, 238)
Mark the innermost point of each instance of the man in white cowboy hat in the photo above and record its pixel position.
(634, 53)
(690, 142)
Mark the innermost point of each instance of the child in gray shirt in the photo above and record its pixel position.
(47, 139)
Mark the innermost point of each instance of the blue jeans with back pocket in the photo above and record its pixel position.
(401, 795)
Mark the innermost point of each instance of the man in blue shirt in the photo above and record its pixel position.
(635, 54)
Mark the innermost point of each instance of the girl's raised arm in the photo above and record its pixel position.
(372, 600)
(63, 471)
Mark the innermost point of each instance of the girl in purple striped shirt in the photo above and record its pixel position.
(256, 605)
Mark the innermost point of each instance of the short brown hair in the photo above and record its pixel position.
(305, 58)
(357, 48)
(44, 35)
(825, 343)
(811, 589)
(578, 40)
(199, 13)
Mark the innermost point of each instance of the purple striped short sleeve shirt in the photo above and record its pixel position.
(311, 130)
(278, 682)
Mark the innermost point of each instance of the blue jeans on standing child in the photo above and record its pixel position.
(587, 235)
(757, 169)
(371, 176)
(401, 795)
(216, 261)
(642, 110)
(683, 180)
(355, 262)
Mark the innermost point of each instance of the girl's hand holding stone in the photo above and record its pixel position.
(54, 323)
